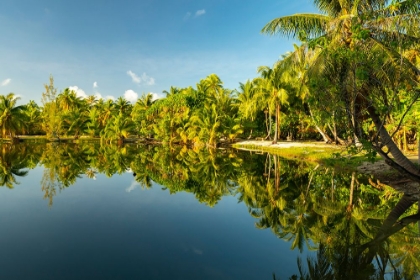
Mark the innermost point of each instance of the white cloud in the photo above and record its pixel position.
(131, 96)
(79, 92)
(149, 80)
(156, 96)
(99, 96)
(6, 82)
(187, 16)
(95, 85)
(143, 79)
(133, 185)
(136, 79)
(200, 13)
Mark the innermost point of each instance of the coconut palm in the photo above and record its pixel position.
(118, 128)
(247, 103)
(12, 164)
(123, 106)
(359, 54)
(68, 100)
(93, 124)
(278, 85)
(12, 117)
(172, 91)
(212, 85)
(208, 122)
(76, 122)
(298, 61)
(33, 114)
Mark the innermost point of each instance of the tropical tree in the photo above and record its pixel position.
(68, 100)
(76, 122)
(118, 128)
(93, 125)
(51, 119)
(172, 91)
(278, 86)
(12, 117)
(33, 114)
(360, 47)
(123, 106)
(12, 164)
(247, 103)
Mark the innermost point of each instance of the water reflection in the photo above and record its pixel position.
(13, 161)
(359, 231)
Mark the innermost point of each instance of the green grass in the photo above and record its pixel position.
(333, 156)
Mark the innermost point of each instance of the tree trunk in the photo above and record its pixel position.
(278, 121)
(399, 158)
(277, 125)
(325, 137)
(389, 227)
(267, 123)
(418, 146)
(337, 139)
(353, 179)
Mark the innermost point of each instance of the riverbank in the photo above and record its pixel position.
(337, 156)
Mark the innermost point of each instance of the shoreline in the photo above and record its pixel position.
(382, 174)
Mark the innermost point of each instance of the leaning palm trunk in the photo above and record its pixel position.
(389, 227)
(399, 161)
(325, 137)
(418, 148)
(268, 123)
(337, 139)
(276, 133)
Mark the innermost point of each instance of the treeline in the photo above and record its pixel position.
(204, 115)
(353, 79)
(271, 106)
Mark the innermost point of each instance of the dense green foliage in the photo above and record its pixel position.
(353, 80)
(357, 69)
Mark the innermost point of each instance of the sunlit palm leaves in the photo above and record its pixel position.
(12, 117)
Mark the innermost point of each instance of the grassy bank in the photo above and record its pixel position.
(316, 152)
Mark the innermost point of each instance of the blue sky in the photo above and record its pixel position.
(128, 47)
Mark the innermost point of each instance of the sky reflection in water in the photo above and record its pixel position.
(96, 229)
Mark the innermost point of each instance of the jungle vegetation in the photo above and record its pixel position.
(352, 80)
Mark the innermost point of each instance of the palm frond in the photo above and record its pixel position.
(313, 25)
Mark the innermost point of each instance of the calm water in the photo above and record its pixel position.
(90, 212)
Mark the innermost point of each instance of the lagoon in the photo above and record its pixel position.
(85, 211)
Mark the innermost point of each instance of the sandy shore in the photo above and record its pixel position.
(382, 173)
(285, 144)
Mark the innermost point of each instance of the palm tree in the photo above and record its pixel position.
(297, 62)
(68, 100)
(278, 85)
(107, 110)
(172, 91)
(208, 122)
(212, 86)
(118, 128)
(12, 164)
(33, 114)
(93, 124)
(359, 54)
(91, 100)
(76, 122)
(248, 105)
(123, 106)
(12, 117)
